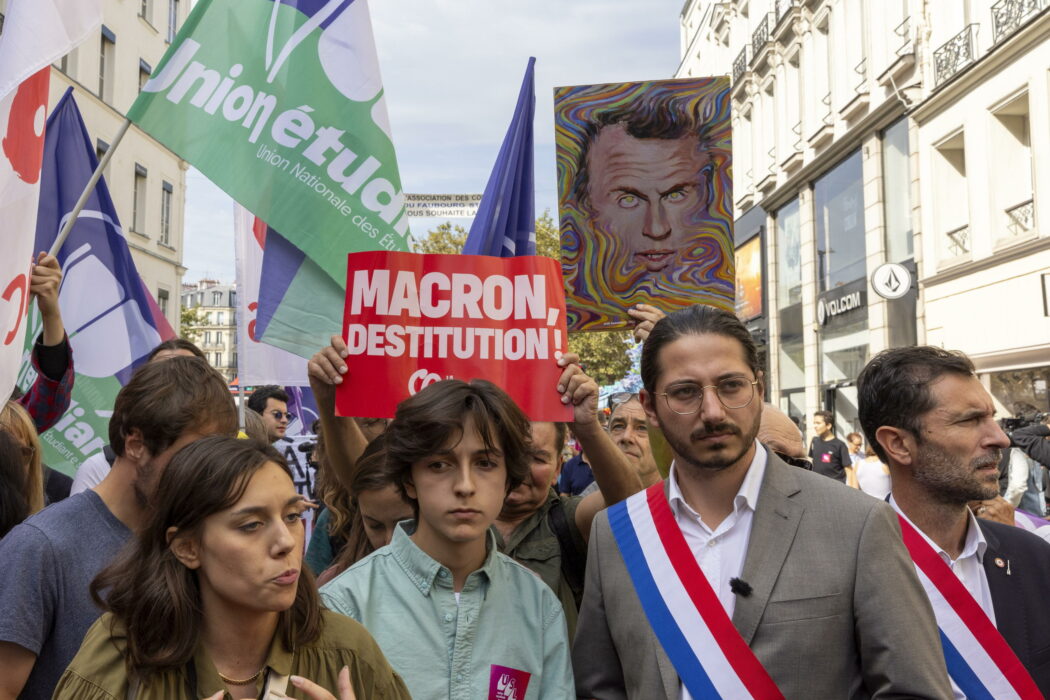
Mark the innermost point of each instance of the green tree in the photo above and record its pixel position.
(190, 321)
(446, 238)
(603, 354)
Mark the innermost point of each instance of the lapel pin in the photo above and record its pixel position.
(999, 562)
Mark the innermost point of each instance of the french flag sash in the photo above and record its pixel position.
(979, 660)
(707, 651)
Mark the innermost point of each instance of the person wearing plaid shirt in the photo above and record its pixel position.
(49, 396)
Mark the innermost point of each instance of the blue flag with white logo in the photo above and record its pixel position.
(110, 318)
(506, 224)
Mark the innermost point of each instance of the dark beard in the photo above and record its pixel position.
(718, 462)
(944, 479)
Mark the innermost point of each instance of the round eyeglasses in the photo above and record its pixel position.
(732, 392)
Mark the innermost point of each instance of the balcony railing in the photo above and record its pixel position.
(1009, 15)
(760, 36)
(903, 31)
(956, 54)
(959, 241)
(1021, 219)
(740, 65)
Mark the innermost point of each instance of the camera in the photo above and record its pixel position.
(1022, 421)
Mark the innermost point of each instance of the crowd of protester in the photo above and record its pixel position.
(460, 550)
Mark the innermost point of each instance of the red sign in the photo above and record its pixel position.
(411, 320)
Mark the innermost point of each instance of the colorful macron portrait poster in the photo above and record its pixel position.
(645, 197)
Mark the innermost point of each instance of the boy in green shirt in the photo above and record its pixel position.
(456, 618)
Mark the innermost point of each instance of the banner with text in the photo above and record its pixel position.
(281, 104)
(411, 320)
(460, 206)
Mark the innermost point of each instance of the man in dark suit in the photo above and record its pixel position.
(931, 421)
(813, 575)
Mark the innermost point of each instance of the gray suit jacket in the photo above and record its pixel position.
(836, 609)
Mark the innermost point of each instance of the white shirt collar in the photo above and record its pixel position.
(746, 495)
(974, 546)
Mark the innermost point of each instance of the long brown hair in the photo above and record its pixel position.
(370, 474)
(153, 594)
(15, 420)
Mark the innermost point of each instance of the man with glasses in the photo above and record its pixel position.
(271, 402)
(629, 429)
(739, 561)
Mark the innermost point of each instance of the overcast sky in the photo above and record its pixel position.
(452, 70)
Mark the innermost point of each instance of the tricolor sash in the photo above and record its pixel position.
(979, 660)
(707, 651)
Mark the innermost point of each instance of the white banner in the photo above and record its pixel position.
(257, 362)
(36, 32)
(419, 206)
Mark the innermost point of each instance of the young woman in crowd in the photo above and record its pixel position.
(27, 476)
(364, 519)
(14, 501)
(211, 598)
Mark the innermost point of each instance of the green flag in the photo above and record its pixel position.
(281, 105)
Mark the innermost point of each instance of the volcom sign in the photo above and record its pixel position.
(829, 308)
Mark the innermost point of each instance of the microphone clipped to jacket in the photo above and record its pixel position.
(740, 587)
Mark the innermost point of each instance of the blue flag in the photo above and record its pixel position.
(506, 221)
(109, 316)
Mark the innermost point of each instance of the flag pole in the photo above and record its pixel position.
(240, 404)
(88, 189)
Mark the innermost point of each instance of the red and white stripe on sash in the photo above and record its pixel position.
(979, 660)
(710, 656)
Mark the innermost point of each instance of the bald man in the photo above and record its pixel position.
(779, 433)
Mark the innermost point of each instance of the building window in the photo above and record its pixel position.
(220, 318)
(145, 10)
(233, 361)
(216, 298)
(951, 199)
(896, 189)
(138, 212)
(165, 213)
(791, 357)
(107, 47)
(173, 19)
(218, 359)
(839, 209)
(1013, 211)
(145, 70)
(207, 337)
(162, 301)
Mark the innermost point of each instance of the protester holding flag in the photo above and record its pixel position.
(51, 357)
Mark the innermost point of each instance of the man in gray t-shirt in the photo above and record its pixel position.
(50, 560)
(48, 567)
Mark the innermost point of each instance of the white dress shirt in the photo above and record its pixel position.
(720, 552)
(968, 567)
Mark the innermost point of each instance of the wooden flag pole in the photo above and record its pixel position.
(88, 189)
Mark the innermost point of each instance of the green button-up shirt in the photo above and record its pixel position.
(507, 628)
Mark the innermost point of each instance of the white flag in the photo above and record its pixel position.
(36, 33)
(257, 362)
